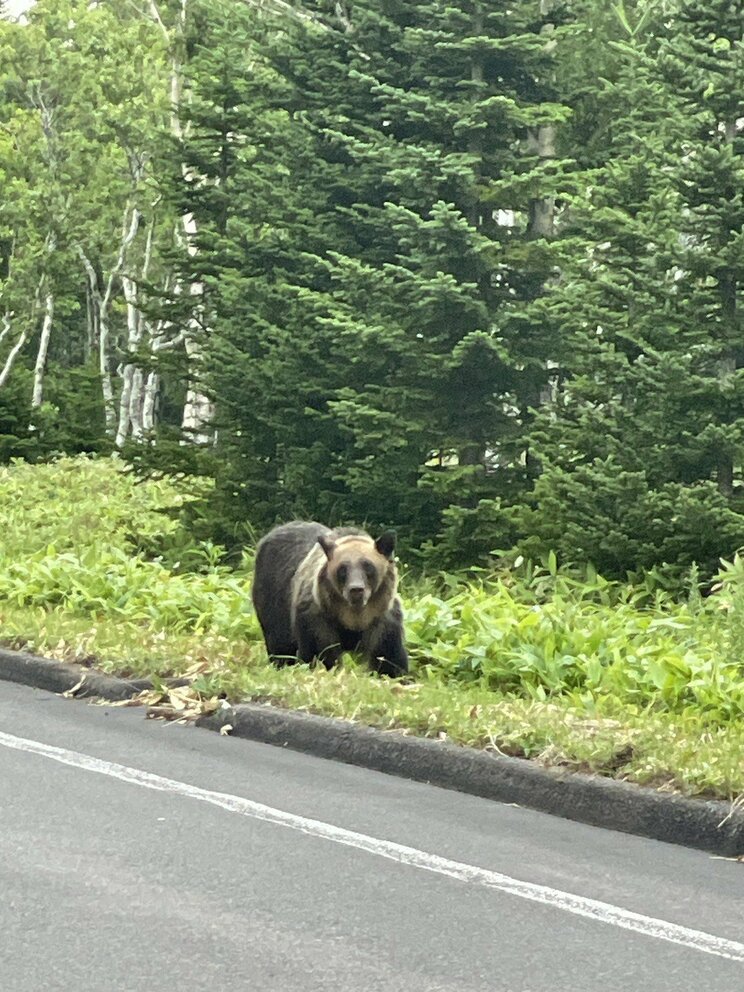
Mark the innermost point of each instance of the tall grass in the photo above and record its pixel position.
(526, 659)
(569, 641)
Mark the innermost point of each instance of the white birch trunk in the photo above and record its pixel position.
(23, 336)
(107, 383)
(149, 401)
(133, 396)
(7, 326)
(127, 372)
(101, 307)
(10, 360)
(91, 340)
(126, 392)
(198, 410)
(132, 405)
(102, 302)
(37, 395)
(136, 403)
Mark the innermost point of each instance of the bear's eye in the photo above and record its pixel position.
(341, 572)
(369, 570)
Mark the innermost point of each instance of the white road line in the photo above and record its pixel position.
(592, 909)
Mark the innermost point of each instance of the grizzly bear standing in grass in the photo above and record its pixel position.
(318, 592)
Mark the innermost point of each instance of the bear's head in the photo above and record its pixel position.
(358, 567)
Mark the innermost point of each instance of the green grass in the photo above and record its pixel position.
(532, 662)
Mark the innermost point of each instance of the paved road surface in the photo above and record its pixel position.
(235, 865)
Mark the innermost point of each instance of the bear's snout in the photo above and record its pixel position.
(357, 595)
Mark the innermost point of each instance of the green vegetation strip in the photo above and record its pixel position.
(533, 662)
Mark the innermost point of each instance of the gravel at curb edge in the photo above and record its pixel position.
(708, 825)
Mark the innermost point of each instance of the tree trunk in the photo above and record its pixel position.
(136, 404)
(10, 360)
(198, 410)
(149, 402)
(7, 326)
(542, 210)
(126, 392)
(475, 140)
(91, 339)
(541, 142)
(101, 303)
(100, 306)
(107, 384)
(37, 396)
(128, 371)
(23, 336)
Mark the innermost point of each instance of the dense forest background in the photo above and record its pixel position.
(469, 270)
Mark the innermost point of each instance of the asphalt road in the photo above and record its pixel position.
(235, 865)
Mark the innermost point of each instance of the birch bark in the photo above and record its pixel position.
(132, 397)
(198, 410)
(149, 402)
(7, 326)
(23, 336)
(37, 396)
(102, 303)
(12, 355)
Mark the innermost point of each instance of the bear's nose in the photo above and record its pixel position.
(356, 593)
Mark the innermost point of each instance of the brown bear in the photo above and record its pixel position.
(318, 592)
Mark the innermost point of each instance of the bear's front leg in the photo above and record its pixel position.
(384, 647)
(316, 639)
(391, 657)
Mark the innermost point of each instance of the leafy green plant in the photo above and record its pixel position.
(540, 661)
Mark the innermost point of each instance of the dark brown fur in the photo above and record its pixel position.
(318, 592)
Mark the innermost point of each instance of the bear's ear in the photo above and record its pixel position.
(385, 543)
(327, 544)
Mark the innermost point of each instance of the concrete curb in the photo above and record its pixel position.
(709, 825)
(58, 676)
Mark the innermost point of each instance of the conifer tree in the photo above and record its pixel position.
(378, 367)
(703, 60)
(638, 448)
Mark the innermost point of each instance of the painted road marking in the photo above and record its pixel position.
(593, 909)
